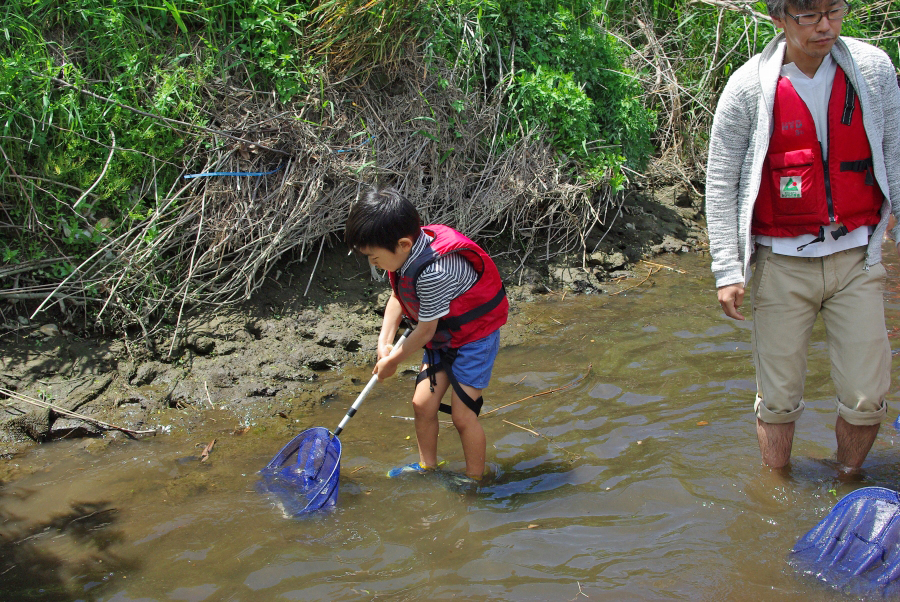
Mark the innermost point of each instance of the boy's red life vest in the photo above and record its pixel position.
(473, 315)
(800, 191)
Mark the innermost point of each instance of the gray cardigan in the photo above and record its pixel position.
(740, 135)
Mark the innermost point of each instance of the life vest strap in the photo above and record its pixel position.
(866, 165)
(842, 231)
(819, 238)
(861, 165)
(456, 322)
(849, 102)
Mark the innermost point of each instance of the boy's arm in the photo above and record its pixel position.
(393, 314)
(423, 332)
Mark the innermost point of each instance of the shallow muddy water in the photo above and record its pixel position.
(645, 483)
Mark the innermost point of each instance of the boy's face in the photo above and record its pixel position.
(384, 259)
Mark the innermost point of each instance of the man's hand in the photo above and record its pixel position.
(731, 298)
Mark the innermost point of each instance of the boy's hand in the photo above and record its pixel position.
(385, 368)
(384, 351)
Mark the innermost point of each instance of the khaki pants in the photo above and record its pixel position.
(787, 293)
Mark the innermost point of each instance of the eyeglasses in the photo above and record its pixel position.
(835, 14)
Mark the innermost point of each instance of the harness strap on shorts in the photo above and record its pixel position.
(445, 359)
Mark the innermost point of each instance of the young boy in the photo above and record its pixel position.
(451, 288)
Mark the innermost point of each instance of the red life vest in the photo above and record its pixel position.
(800, 191)
(473, 315)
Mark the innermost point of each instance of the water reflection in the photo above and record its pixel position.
(639, 479)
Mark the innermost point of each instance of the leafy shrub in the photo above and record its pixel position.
(568, 76)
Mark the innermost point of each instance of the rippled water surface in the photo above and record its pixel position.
(643, 481)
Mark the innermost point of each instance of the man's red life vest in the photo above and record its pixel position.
(800, 191)
(473, 315)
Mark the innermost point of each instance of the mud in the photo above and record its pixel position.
(286, 348)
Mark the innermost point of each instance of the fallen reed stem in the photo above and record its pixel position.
(71, 414)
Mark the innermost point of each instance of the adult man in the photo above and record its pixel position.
(804, 171)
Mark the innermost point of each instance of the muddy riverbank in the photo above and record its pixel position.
(284, 350)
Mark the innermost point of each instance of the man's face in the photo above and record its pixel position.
(809, 44)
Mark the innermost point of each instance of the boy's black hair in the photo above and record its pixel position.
(380, 219)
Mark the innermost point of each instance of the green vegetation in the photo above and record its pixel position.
(107, 104)
(563, 71)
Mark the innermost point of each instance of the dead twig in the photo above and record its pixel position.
(572, 456)
(563, 388)
(112, 149)
(315, 265)
(580, 593)
(660, 265)
(652, 271)
(204, 455)
(71, 414)
(208, 400)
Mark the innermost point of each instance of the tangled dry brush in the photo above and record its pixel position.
(213, 239)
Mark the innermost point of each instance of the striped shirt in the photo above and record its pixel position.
(441, 282)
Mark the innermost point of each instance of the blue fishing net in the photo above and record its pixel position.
(855, 548)
(303, 476)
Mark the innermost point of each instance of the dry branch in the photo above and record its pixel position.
(71, 414)
(556, 390)
(213, 240)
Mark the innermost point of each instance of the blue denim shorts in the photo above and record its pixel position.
(475, 361)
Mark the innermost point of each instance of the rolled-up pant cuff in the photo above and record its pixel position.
(769, 417)
(857, 418)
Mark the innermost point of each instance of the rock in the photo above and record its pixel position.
(608, 261)
(146, 373)
(259, 390)
(382, 298)
(67, 428)
(201, 345)
(669, 245)
(575, 279)
(138, 401)
(684, 198)
(185, 393)
(86, 392)
(34, 425)
(49, 330)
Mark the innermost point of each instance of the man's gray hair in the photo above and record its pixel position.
(776, 7)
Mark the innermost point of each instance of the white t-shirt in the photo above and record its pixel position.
(815, 92)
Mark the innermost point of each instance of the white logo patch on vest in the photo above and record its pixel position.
(791, 186)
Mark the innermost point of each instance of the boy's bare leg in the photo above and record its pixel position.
(471, 434)
(775, 441)
(425, 408)
(854, 442)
